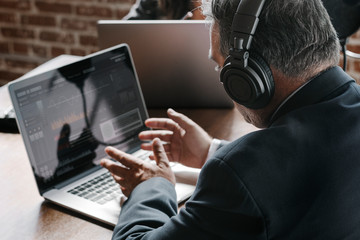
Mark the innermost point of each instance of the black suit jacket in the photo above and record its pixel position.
(297, 179)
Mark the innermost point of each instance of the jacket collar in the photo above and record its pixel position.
(313, 91)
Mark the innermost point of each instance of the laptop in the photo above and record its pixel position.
(172, 61)
(68, 115)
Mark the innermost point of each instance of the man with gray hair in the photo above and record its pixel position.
(297, 178)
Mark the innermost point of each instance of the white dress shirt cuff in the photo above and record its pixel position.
(215, 143)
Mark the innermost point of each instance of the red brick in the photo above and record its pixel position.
(7, 76)
(93, 50)
(121, 13)
(353, 48)
(7, 17)
(14, 63)
(53, 7)
(17, 33)
(40, 51)
(21, 48)
(93, 11)
(121, 1)
(77, 52)
(67, 38)
(77, 24)
(88, 40)
(56, 51)
(48, 36)
(38, 20)
(15, 4)
(4, 47)
(357, 66)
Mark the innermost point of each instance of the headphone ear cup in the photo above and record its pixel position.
(252, 86)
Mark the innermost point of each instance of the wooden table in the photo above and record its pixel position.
(25, 215)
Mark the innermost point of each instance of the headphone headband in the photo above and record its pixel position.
(246, 77)
(245, 23)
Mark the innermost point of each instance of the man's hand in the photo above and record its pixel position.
(185, 141)
(133, 171)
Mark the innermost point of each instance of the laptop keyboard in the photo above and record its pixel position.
(103, 188)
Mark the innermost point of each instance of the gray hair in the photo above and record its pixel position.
(293, 36)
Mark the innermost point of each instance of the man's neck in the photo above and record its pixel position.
(284, 87)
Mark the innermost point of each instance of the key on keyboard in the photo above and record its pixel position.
(101, 189)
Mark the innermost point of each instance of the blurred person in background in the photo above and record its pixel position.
(165, 9)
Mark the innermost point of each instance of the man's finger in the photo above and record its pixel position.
(113, 167)
(160, 154)
(161, 123)
(122, 157)
(183, 121)
(164, 135)
(149, 146)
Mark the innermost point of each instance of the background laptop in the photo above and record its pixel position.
(171, 58)
(67, 116)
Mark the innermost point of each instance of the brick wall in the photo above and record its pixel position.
(34, 31)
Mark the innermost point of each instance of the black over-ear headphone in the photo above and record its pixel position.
(246, 77)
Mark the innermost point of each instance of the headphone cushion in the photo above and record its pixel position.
(252, 86)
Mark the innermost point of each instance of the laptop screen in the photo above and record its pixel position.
(170, 56)
(69, 115)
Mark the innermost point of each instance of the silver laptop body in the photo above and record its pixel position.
(67, 116)
(172, 61)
